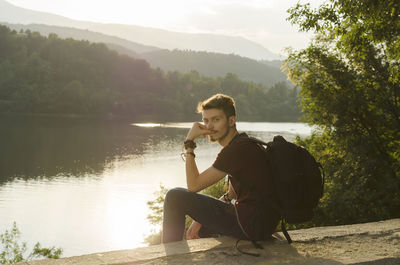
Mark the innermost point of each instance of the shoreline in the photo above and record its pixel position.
(112, 117)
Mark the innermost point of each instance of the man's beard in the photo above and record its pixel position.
(213, 140)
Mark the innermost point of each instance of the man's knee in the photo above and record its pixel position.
(175, 195)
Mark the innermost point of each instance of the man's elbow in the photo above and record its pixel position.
(193, 188)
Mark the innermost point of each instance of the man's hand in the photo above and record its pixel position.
(193, 231)
(197, 130)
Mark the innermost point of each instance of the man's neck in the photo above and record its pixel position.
(232, 133)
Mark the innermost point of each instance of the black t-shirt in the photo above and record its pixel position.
(244, 162)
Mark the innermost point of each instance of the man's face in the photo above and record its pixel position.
(217, 122)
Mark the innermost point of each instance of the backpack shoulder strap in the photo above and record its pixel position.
(277, 138)
(252, 140)
(258, 141)
(284, 231)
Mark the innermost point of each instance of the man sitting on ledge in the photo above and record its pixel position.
(235, 213)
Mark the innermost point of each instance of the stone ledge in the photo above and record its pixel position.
(369, 244)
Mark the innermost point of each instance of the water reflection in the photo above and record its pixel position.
(47, 147)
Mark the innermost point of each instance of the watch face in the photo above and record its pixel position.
(190, 144)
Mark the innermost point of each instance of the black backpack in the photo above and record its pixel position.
(298, 181)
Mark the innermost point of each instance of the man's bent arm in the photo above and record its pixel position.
(197, 182)
(192, 172)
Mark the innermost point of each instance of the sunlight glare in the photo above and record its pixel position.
(150, 13)
(126, 225)
(147, 125)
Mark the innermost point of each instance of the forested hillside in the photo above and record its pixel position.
(206, 63)
(50, 75)
(215, 64)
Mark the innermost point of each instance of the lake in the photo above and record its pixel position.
(82, 184)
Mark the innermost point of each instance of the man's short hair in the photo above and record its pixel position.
(219, 101)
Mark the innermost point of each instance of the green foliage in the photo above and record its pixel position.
(216, 190)
(12, 251)
(350, 89)
(51, 253)
(156, 215)
(156, 206)
(52, 75)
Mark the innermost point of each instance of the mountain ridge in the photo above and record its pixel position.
(205, 63)
(145, 35)
(82, 34)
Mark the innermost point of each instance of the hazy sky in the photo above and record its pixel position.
(263, 21)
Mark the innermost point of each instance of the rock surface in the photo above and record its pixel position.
(376, 243)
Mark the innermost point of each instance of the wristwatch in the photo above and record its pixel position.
(189, 144)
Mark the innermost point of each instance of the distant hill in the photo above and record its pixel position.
(206, 63)
(147, 36)
(197, 42)
(131, 48)
(17, 15)
(273, 63)
(216, 64)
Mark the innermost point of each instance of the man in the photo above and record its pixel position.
(235, 214)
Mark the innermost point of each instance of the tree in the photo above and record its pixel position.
(350, 89)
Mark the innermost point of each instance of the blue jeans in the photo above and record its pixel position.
(216, 216)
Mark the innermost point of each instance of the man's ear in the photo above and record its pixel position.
(232, 121)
